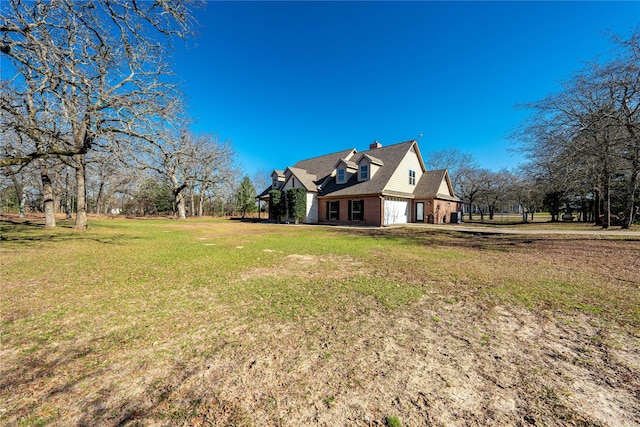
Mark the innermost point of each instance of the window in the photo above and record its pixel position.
(412, 177)
(333, 210)
(341, 176)
(356, 209)
(364, 172)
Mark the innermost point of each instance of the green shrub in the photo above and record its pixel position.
(393, 421)
(277, 204)
(297, 203)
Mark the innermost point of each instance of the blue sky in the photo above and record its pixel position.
(287, 81)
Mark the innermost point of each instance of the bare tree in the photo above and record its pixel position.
(187, 159)
(109, 175)
(214, 167)
(454, 160)
(472, 183)
(586, 138)
(261, 180)
(20, 121)
(528, 194)
(81, 71)
(621, 78)
(496, 188)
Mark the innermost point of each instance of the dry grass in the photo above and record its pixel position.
(227, 323)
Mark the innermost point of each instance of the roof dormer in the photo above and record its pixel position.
(277, 179)
(368, 166)
(344, 170)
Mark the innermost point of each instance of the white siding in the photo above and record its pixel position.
(396, 211)
(444, 188)
(312, 203)
(400, 179)
(312, 208)
(291, 183)
(373, 169)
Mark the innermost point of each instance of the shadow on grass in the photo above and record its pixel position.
(37, 381)
(480, 240)
(73, 373)
(28, 233)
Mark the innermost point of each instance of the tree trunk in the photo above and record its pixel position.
(607, 214)
(633, 187)
(21, 193)
(23, 202)
(201, 203)
(81, 192)
(193, 203)
(596, 207)
(67, 202)
(178, 194)
(180, 205)
(47, 196)
(99, 198)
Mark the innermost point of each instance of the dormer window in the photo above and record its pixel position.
(412, 177)
(364, 172)
(341, 176)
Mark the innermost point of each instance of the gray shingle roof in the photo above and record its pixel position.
(307, 179)
(374, 160)
(429, 184)
(390, 156)
(323, 165)
(348, 163)
(315, 171)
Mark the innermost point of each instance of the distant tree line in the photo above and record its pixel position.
(91, 118)
(482, 191)
(144, 194)
(582, 146)
(583, 142)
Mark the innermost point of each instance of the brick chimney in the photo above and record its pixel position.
(375, 144)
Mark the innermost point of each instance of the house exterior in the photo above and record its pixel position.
(380, 186)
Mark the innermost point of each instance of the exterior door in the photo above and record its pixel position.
(419, 211)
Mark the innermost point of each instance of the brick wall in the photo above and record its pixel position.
(372, 211)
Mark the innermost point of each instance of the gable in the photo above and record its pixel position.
(435, 184)
(295, 178)
(444, 188)
(400, 180)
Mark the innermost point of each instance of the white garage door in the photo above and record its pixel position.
(396, 211)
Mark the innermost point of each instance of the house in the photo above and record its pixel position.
(381, 186)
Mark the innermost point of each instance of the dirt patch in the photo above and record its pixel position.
(309, 266)
(435, 364)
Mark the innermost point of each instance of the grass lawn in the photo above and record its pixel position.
(218, 322)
